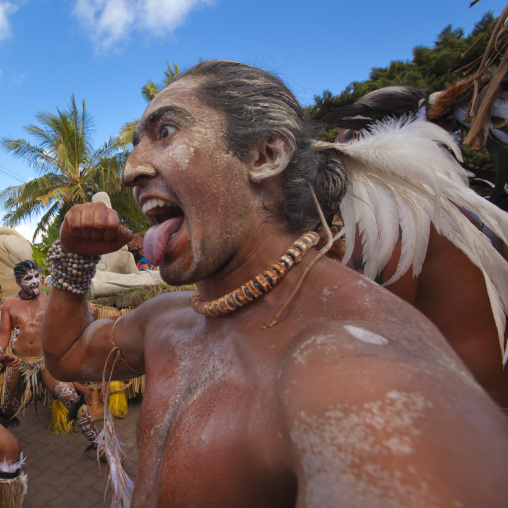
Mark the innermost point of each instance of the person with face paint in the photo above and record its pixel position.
(286, 379)
(26, 373)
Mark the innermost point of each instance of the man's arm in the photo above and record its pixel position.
(370, 425)
(76, 347)
(5, 335)
(5, 326)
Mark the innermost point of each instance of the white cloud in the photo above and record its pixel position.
(110, 22)
(6, 9)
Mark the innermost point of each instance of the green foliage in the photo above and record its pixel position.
(477, 161)
(39, 257)
(124, 137)
(70, 169)
(40, 250)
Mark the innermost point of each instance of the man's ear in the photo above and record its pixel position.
(272, 156)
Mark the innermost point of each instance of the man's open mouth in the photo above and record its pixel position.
(34, 289)
(158, 211)
(165, 219)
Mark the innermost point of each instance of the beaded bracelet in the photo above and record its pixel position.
(71, 272)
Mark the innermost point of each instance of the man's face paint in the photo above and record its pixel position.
(30, 283)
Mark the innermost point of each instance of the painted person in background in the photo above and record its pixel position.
(21, 324)
(349, 397)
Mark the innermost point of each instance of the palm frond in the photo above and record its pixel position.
(70, 169)
(126, 132)
(34, 156)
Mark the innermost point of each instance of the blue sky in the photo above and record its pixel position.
(104, 51)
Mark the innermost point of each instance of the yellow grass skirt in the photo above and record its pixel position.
(117, 403)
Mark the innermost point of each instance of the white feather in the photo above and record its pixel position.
(11, 466)
(347, 211)
(387, 223)
(401, 168)
(407, 225)
(369, 231)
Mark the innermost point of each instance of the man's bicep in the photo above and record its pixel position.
(127, 336)
(92, 355)
(116, 341)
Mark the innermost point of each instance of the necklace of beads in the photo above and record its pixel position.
(260, 284)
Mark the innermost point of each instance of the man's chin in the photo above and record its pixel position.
(175, 277)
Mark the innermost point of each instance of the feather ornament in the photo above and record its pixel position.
(403, 177)
(109, 444)
(11, 466)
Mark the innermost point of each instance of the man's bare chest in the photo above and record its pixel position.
(209, 426)
(27, 317)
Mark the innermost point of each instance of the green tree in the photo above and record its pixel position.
(69, 168)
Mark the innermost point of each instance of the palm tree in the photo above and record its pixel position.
(70, 170)
(149, 91)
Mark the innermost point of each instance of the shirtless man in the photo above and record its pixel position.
(450, 289)
(21, 323)
(13, 481)
(353, 398)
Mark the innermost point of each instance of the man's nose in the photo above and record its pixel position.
(132, 172)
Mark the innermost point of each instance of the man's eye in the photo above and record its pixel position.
(167, 130)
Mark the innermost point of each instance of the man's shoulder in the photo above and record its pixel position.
(333, 361)
(325, 340)
(9, 302)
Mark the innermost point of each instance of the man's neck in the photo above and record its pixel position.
(24, 296)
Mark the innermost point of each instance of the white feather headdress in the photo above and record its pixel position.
(400, 176)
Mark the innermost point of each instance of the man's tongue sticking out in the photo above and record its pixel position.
(157, 238)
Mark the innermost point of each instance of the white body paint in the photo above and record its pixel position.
(345, 444)
(182, 154)
(366, 336)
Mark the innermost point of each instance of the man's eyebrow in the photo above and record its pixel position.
(175, 111)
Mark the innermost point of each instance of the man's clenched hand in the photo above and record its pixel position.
(92, 229)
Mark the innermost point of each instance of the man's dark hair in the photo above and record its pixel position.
(23, 267)
(258, 106)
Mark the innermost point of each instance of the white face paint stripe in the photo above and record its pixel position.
(366, 336)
